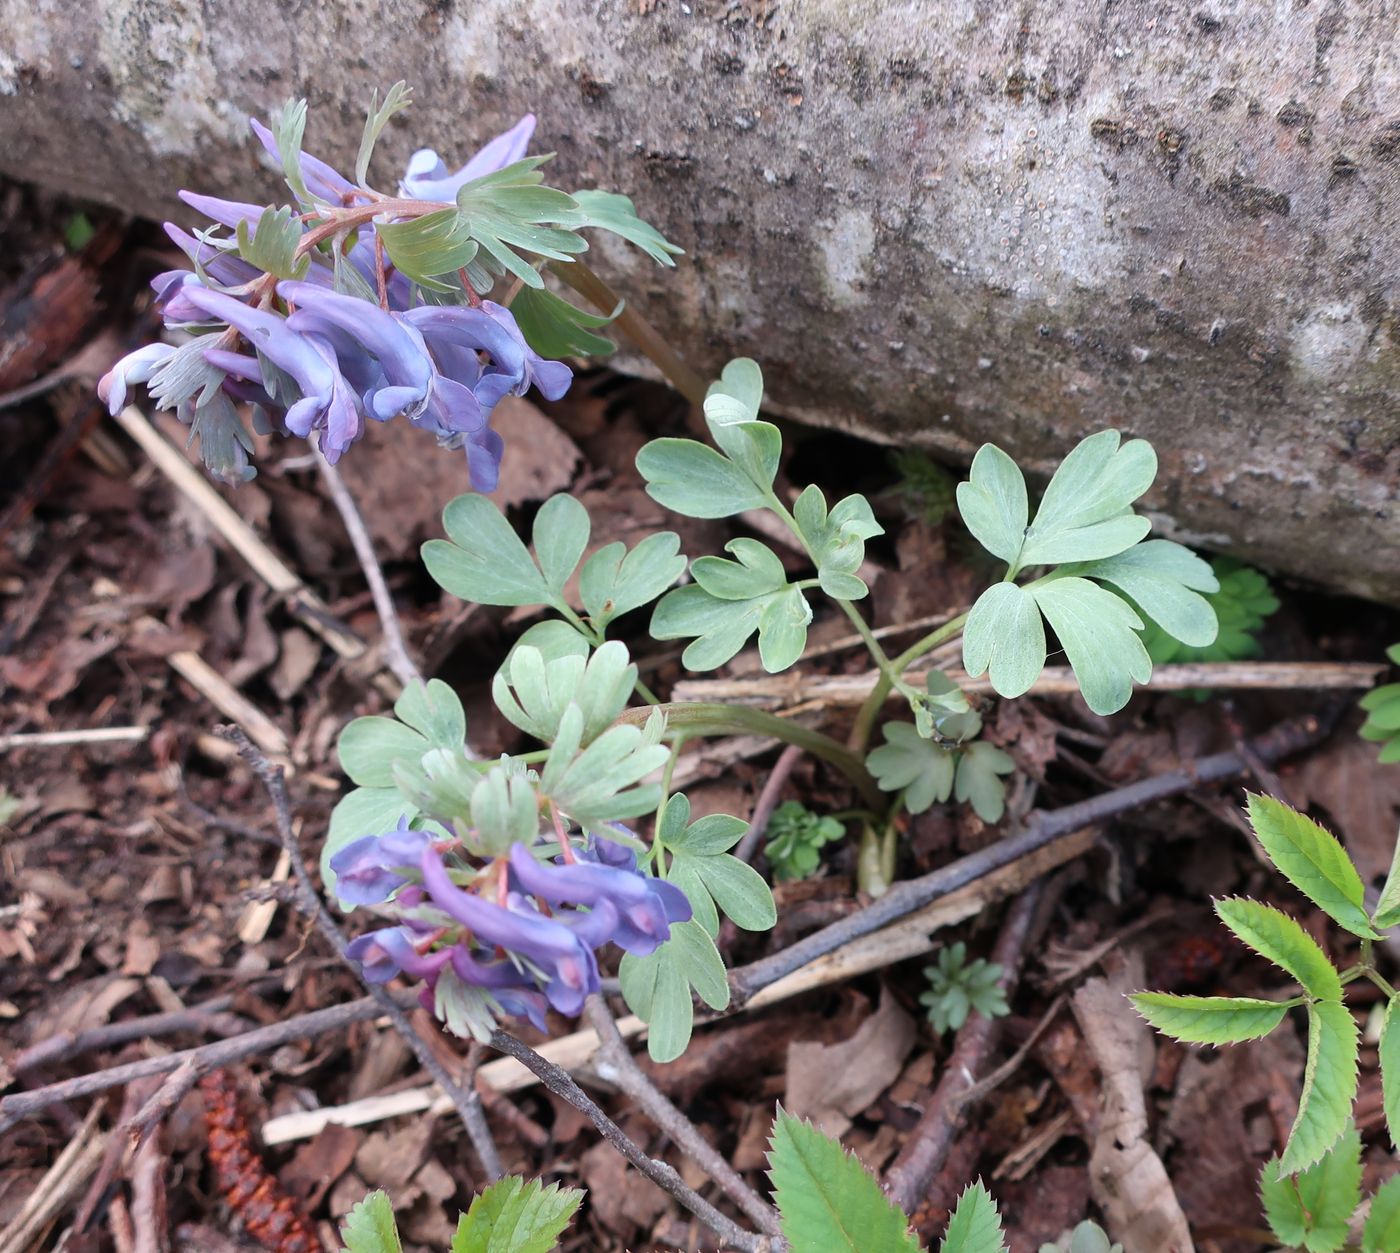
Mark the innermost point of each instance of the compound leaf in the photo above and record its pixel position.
(560, 536)
(1313, 861)
(907, 760)
(433, 709)
(1165, 581)
(977, 780)
(483, 559)
(1099, 633)
(1329, 1086)
(510, 209)
(555, 328)
(1274, 935)
(370, 1228)
(515, 1216)
(1005, 638)
(695, 480)
(614, 581)
(994, 505)
(1312, 1210)
(610, 211)
(657, 987)
(1382, 1231)
(1390, 1071)
(1209, 1019)
(827, 1200)
(368, 748)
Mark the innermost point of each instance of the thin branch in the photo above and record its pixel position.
(924, 1152)
(561, 1083)
(210, 1017)
(466, 1100)
(767, 801)
(616, 1064)
(65, 739)
(395, 650)
(1043, 829)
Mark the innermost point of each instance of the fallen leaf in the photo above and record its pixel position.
(1361, 797)
(319, 1162)
(539, 460)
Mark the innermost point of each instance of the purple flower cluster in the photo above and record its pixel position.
(525, 930)
(317, 356)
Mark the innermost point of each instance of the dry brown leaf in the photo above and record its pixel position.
(319, 1162)
(621, 1199)
(539, 459)
(81, 1006)
(1361, 797)
(1128, 1179)
(300, 654)
(832, 1083)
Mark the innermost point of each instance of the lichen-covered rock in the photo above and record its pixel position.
(936, 222)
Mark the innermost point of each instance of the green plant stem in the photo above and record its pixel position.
(889, 676)
(657, 847)
(598, 639)
(710, 719)
(634, 326)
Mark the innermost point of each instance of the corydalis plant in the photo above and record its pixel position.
(354, 304)
(1314, 862)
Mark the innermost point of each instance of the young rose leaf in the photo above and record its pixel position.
(369, 1227)
(1313, 861)
(993, 504)
(1209, 1019)
(1005, 637)
(1313, 1209)
(975, 1225)
(695, 480)
(827, 1200)
(516, 1216)
(1165, 581)
(560, 536)
(483, 559)
(434, 710)
(1085, 512)
(1390, 1071)
(657, 987)
(554, 328)
(1329, 1087)
(977, 781)
(1274, 935)
(906, 760)
(609, 211)
(1387, 911)
(1099, 633)
(701, 866)
(614, 581)
(1382, 1231)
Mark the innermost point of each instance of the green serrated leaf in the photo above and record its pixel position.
(485, 560)
(1381, 1233)
(1005, 639)
(908, 761)
(1099, 632)
(1313, 861)
(975, 1225)
(398, 97)
(695, 480)
(1329, 1086)
(1313, 1209)
(515, 1216)
(1390, 1071)
(826, 1199)
(1084, 514)
(609, 211)
(612, 584)
(554, 328)
(369, 1227)
(1274, 935)
(1209, 1019)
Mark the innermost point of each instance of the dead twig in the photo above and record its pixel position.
(615, 1064)
(767, 801)
(210, 1018)
(926, 1149)
(66, 739)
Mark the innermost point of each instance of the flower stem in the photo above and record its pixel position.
(889, 675)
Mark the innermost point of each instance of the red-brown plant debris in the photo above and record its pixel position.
(268, 1214)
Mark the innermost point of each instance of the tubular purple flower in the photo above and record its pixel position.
(222, 267)
(382, 954)
(572, 969)
(370, 870)
(551, 377)
(321, 179)
(511, 987)
(646, 906)
(485, 449)
(427, 177)
(491, 329)
(135, 367)
(399, 348)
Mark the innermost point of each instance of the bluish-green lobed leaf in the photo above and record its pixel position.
(737, 395)
(782, 629)
(560, 537)
(703, 869)
(975, 1225)
(425, 247)
(614, 581)
(510, 212)
(1381, 1234)
(1313, 861)
(1313, 1209)
(360, 812)
(657, 987)
(398, 97)
(993, 504)
(731, 413)
(1005, 639)
(369, 1227)
(271, 245)
(434, 710)
(695, 480)
(1084, 514)
(516, 1216)
(827, 1200)
(1165, 581)
(289, 126)
(756, 571)
(609, 211)
(906, 760)
(1274, 935)
(368, 748)
(978, 782)
(1209, 1019)
(483, 559)
(1099, 633)
(1390, 1071)
(721, 627)
(555, 328)
(836, 540)
(1329, 1086)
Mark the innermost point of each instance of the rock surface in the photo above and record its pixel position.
(935, 223)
